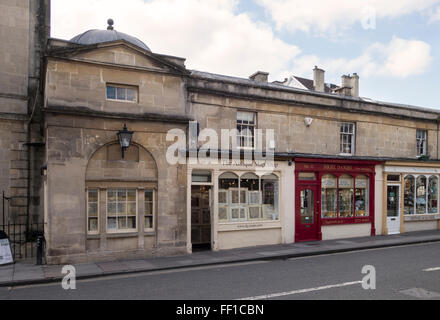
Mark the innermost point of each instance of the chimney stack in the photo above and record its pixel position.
(350, 85)
(355, 85)
(260, 76)
(319, 79)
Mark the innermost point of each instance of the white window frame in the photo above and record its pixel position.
(351, 134)
(246, 128)
(120, 87)
(121, 231)
(87, 209)
(421, 138)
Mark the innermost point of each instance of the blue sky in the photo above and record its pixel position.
(396, 57)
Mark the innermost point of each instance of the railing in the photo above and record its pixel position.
(23, 237)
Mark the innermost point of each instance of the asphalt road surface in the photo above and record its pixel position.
(410, 272)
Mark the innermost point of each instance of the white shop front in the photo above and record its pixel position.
(238, 205)
(411, 197)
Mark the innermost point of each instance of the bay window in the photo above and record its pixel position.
(247, 198)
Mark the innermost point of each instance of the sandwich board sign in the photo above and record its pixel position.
(5, 250)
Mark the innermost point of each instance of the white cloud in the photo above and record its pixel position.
(333, 17)
(208, 33)
(400, 58)
(435, 15)
(215, 38)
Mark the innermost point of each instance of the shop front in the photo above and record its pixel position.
(236, 205)
(411, 197)
(334, 199)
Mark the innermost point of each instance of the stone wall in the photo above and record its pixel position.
(71, 143)
(376, 135)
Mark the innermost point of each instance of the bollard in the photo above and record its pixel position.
(40, 244)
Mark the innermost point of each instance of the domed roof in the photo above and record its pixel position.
(100, 36)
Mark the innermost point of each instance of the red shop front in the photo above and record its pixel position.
(332, 192)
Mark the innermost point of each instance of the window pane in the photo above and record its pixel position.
(93, 195)
(149, 195)
(149, 222)
(122, 195)
(131, 195)
(121, 93)
(346, 196)
(111, 208)
(93, 209)
(131, 209)
(111, 196)
(131, 95)
(421, 195)
(269, 186)
(329, 194)
(131, 223)
(307, 207)
(111, 224)
(93, 224)
(361, 197)
(307, 176)
(111, 92)
(433, 195)
(409, 195)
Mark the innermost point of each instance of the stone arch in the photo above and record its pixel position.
(106, 163)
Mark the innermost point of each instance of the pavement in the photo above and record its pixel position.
(27, 273)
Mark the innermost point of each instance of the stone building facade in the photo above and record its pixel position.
(25, 28)
(343, 166)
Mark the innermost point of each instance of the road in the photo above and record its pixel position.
(410, 272)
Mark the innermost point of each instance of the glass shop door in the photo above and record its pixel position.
(307, 213)
(393, 209)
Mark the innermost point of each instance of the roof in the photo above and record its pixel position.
(307, 84)
(100, 36)
(392, 108)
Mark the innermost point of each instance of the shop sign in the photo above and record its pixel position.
(5, 252)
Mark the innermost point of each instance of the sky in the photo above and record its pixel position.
(393, 45)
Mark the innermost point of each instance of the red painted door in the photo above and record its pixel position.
(307, 213)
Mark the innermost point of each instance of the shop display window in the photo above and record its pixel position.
(421, 195)
(248, 198)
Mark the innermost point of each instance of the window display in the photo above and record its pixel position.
(433, 195)
(424, 189)
(361, 197)
(345, 196)
(329, 199)
(421, 195)
(247, 198)
(409, 195)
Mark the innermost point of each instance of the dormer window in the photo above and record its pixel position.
(122, 93)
